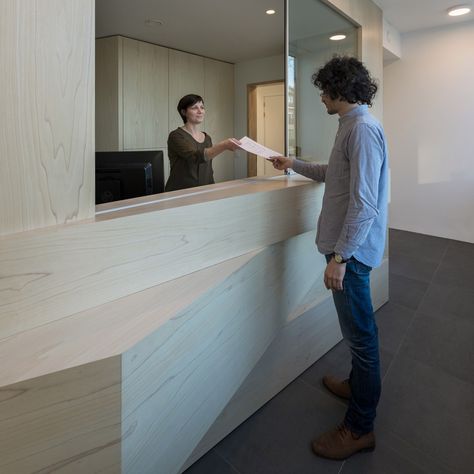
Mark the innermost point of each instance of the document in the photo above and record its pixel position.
(252, 146)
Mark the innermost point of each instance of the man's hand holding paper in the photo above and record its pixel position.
(252, 146)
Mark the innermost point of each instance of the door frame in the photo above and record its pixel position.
(252, 120)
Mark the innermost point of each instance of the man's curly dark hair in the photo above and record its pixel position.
(346, 78)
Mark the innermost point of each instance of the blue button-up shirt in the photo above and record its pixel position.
(353, 218)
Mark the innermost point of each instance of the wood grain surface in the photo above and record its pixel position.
(47, 120)
(53, 273)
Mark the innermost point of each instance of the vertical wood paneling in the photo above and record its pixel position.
(108, 94)
(47, 120)
(138, 88)
(186, 76)
(145, 95)
(219, 99)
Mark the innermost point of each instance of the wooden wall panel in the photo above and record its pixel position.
(219, 101)
(186, 76)
(108, 94)
(106, 330)
(188, 371)
(138, 87)
(294, 349)
(47, 120)
(52, 274)
(145, 95)
(65, 422)
(199, 355)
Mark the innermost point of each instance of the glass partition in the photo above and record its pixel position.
(310, 25)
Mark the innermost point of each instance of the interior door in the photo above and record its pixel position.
(270, 124)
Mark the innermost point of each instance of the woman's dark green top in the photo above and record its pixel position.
(188, 165)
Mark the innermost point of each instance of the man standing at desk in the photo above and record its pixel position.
(351, 234)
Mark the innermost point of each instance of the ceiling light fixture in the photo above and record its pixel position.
(459, 10)
(337, 37)
(270, 12)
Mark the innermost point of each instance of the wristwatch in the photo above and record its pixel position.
(338, 258)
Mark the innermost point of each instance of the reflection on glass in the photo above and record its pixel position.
(310, 25)
(291, 107)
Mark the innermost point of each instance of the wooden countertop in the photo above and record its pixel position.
(198, 195)
(77, 293)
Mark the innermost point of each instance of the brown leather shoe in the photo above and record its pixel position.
(341, 388)
(342, 443)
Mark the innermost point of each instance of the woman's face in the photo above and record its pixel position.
(195, 113)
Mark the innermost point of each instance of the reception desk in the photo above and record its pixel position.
(135, 341)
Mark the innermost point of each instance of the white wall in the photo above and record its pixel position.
(428, 118)
(251, 72)
(392, 41)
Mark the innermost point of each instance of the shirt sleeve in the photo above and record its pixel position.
(184, 149)
(310, 170)
(366, 154)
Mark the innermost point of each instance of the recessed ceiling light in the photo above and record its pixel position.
(459, 10)
(153, 22)
(270, 12)
(337, 37)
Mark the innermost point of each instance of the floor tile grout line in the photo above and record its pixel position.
(398, 349)
(325, 392)
(418, 313)
(395, 355)
(440, 262)
(431, 281)
(416, 461)
(415, 312)
(227, 461)
(405, 253)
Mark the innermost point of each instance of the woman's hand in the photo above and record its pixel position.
(231, 144)
(281, 162)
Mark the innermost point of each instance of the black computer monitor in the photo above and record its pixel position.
(127, 174)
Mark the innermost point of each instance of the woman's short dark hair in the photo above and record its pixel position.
(346, 78)
(187, 101)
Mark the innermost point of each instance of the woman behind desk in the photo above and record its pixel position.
(191, 151)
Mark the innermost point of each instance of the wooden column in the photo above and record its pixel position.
(47, 119)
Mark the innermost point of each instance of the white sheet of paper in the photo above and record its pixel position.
(252, 146)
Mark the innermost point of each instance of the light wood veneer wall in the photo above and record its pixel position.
(47, 119)
(138, 88)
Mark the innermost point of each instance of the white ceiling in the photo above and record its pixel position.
(237, 30)
(229, 30)
(412, 15)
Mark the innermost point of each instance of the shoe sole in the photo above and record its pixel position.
(363, 450)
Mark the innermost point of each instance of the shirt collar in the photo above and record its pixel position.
(359, 110)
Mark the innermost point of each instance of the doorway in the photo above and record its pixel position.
(266, 124)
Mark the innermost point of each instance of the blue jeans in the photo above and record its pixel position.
(356, 318)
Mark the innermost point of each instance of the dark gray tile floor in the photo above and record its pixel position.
(425, 421)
